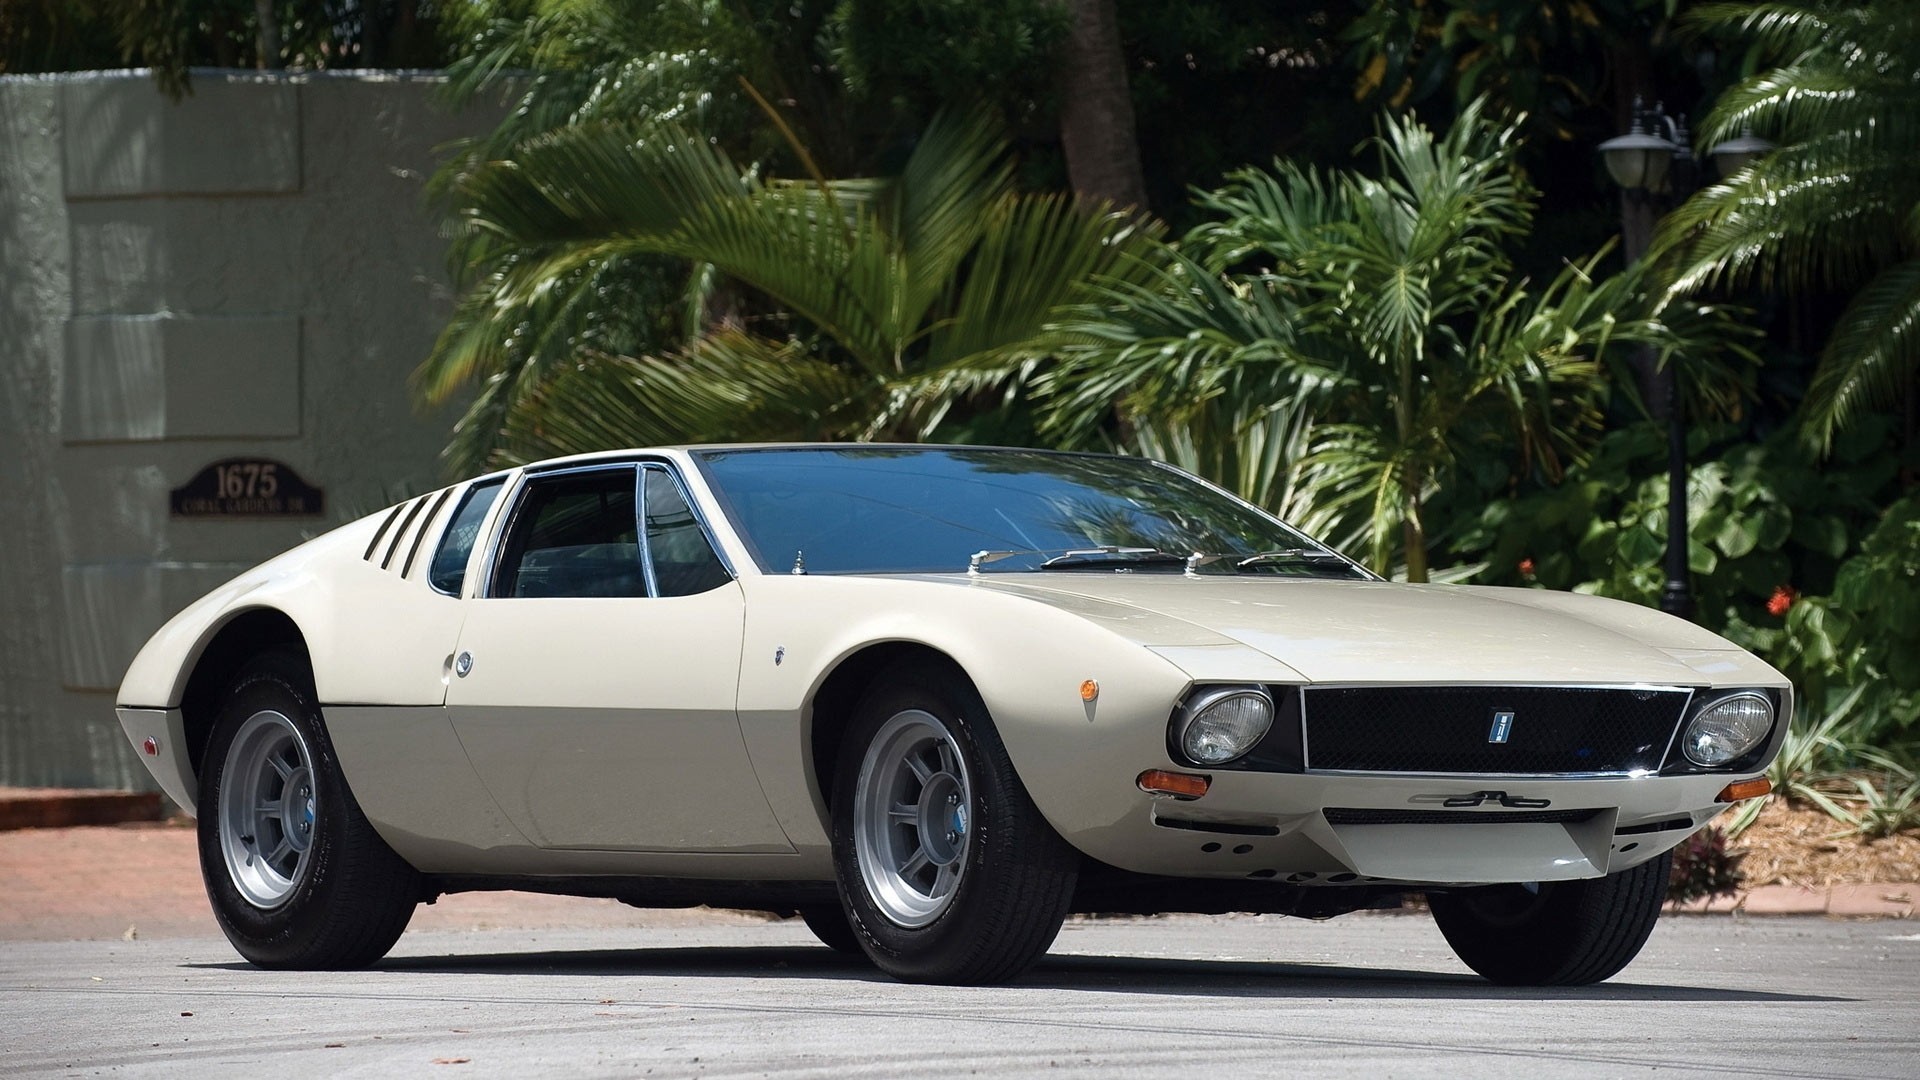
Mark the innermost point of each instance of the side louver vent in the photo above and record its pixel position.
(406, 526)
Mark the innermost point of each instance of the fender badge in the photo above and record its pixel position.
(1502, 727)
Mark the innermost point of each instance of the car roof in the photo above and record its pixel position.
(693, 448)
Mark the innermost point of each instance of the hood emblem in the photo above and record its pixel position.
(1502, 726)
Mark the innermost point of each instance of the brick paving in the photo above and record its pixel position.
(47, 808)
(105, 882)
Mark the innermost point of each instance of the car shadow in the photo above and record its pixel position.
(1159, 976)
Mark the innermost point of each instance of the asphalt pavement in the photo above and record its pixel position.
(1360, 996)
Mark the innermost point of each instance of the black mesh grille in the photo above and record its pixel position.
(1450, 729)
(1342, 815)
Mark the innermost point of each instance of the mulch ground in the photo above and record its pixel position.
(1790, 845)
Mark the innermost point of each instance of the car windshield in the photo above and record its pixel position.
(880, 510)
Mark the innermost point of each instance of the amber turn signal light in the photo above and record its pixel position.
(1089, 690)
(1184, 785)
(1745, 789)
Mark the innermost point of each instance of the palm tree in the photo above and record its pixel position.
(1837, 205)
(893, 297)
(1382, 338)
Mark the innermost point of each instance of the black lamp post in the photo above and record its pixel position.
(1655, 169)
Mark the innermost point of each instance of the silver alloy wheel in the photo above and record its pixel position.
(911, 806)
(268, 809)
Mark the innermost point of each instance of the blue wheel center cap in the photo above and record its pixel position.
(960, 820)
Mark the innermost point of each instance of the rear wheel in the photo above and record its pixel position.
(1554, 933)
(829, 923)
(947, 871)
(296, 874)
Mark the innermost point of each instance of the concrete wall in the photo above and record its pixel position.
(250, 272)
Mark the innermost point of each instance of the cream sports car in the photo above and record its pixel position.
(932, 699)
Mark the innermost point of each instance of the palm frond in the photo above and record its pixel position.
(727, 386)
(1790, 221)
(1837, 206)
(1874, 348)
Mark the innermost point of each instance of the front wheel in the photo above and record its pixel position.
(1554, 933)
(946, 869)
(297, 876)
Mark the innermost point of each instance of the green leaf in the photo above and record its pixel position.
(1773, 525)
(1639, 547)
(1824, 533)
(1700, 558)
(1737, 535)
(1903, 667)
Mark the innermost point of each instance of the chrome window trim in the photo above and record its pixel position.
(673, 469)
(697, 458)
(1365, 574)
(511, 519)
(1306, 751)
(693, 507)
(478, 547)
(640, 526)
(480, 586)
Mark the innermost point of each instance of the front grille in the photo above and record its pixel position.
(1345, 815)
(1449, 729)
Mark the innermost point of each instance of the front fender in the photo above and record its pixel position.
(1077, 758)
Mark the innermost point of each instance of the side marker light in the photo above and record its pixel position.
(1089, 690)
(1745, 789)
(151, 746)
(1178, 784)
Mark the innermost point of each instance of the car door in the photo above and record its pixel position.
(595, 680)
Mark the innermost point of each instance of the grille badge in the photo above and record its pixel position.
(1502, 726)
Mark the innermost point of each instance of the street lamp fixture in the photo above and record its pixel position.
(1638, 160)
(1738, 153)
(1654, 166)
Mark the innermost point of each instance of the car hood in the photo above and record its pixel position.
(1371, 631)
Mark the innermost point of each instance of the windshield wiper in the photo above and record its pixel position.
(1310, 556)
(1100, 558)
(1287, 555)
(1115, 557)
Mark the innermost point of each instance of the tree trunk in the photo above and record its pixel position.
(268, 35)
(1415, 533)
(1096, 113)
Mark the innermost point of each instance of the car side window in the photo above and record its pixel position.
(574, 535)
(448, 571)
(684, 563)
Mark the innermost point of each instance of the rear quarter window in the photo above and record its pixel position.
(449, 568)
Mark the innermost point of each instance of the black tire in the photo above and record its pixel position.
(1569, 933)
(1015, 875)
(829, 923)
(350, 896)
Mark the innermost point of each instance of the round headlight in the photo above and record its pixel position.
(1219, 725)
(1727, 729)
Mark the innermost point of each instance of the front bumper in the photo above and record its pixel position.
(1396, 829)
(168, 761)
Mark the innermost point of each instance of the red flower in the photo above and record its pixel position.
(1782, 599)
(1526, 568)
